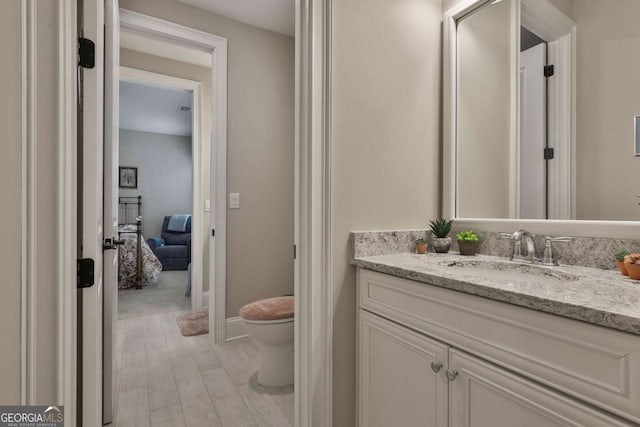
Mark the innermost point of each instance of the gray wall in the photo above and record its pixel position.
(607, 99)
(484, 111)
(260, 129)
(386, 145)
(164, 175)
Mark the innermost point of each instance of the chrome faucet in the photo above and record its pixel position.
(518, 238)
(529, 253)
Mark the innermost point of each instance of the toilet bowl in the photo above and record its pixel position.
(269, 323)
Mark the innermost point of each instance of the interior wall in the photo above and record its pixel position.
(260, 164)
(386, 132)
(10, 208)
(608, 97)
(484, 112)
(165, 173)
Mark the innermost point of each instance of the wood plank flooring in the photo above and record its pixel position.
(165, 379)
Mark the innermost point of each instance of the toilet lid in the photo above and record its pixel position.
(268, 309)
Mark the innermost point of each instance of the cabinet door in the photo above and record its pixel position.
(484, 395)
(398, 385)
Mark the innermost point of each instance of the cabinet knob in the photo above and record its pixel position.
(451, 374)
(436, 366)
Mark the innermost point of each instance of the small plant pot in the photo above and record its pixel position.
(421, 248)
(622, 267)
(634, 270)
(468, 248)
(441, 244)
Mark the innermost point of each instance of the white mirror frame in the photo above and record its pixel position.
(549, 22)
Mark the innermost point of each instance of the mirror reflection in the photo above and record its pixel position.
(547, 105)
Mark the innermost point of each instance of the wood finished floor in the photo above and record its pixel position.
(165, 379)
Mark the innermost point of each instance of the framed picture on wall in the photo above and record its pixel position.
(128, 177)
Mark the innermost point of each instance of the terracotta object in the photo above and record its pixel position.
(422, 248)
(468, 248)
(634, 271)
(623, 268)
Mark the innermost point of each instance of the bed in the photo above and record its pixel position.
(137, 264)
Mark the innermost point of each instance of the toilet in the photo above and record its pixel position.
(269, 323)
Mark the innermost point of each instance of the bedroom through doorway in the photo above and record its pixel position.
(155, 199)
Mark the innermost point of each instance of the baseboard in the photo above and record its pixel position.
(234, 329)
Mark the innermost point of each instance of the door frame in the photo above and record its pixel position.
(34, 381)
(149, 78)
(559, 31)
(313, 215)
(313, 267)
(159, 29)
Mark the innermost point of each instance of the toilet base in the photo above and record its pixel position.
(275, 342)
(276, 365)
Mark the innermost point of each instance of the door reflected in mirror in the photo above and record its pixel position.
(547, 109)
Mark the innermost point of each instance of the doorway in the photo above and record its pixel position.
(155, 197)
(315, 330)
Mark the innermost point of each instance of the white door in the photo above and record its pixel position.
(532, 197)
(402, 376)
(111, 112)
(91, 215)
(484, 395)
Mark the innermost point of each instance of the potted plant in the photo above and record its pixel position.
(440, 229)
(632, 263)
(468, 243)
(421, 246)
(620, 262)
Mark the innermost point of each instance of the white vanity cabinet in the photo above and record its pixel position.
(430, 356)
(398, 382)
(484, 395)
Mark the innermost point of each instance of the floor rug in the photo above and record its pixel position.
(163, 296)
(192, 324)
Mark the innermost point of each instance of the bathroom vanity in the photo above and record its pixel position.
(446, 340)
(538, 130)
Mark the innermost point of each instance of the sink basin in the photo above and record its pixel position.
(510, 271)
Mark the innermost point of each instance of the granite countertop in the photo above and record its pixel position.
(600, 297)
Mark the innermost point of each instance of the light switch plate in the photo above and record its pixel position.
(234, 200)
(207, 205)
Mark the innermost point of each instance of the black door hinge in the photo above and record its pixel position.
(86, 275)
(295, 252)
(86, 53)
(549, 70)
(213, 233)
(548, 153)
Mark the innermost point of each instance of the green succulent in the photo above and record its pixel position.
(467, 236)
(421, 242)
(440, 227)
(620, 256)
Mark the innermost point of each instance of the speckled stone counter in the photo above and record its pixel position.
(600, 297)
(592, 252)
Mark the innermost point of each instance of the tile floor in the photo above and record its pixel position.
(166, 379)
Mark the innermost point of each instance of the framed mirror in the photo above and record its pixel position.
(539, 97)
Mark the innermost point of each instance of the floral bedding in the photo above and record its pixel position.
(151, 266)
